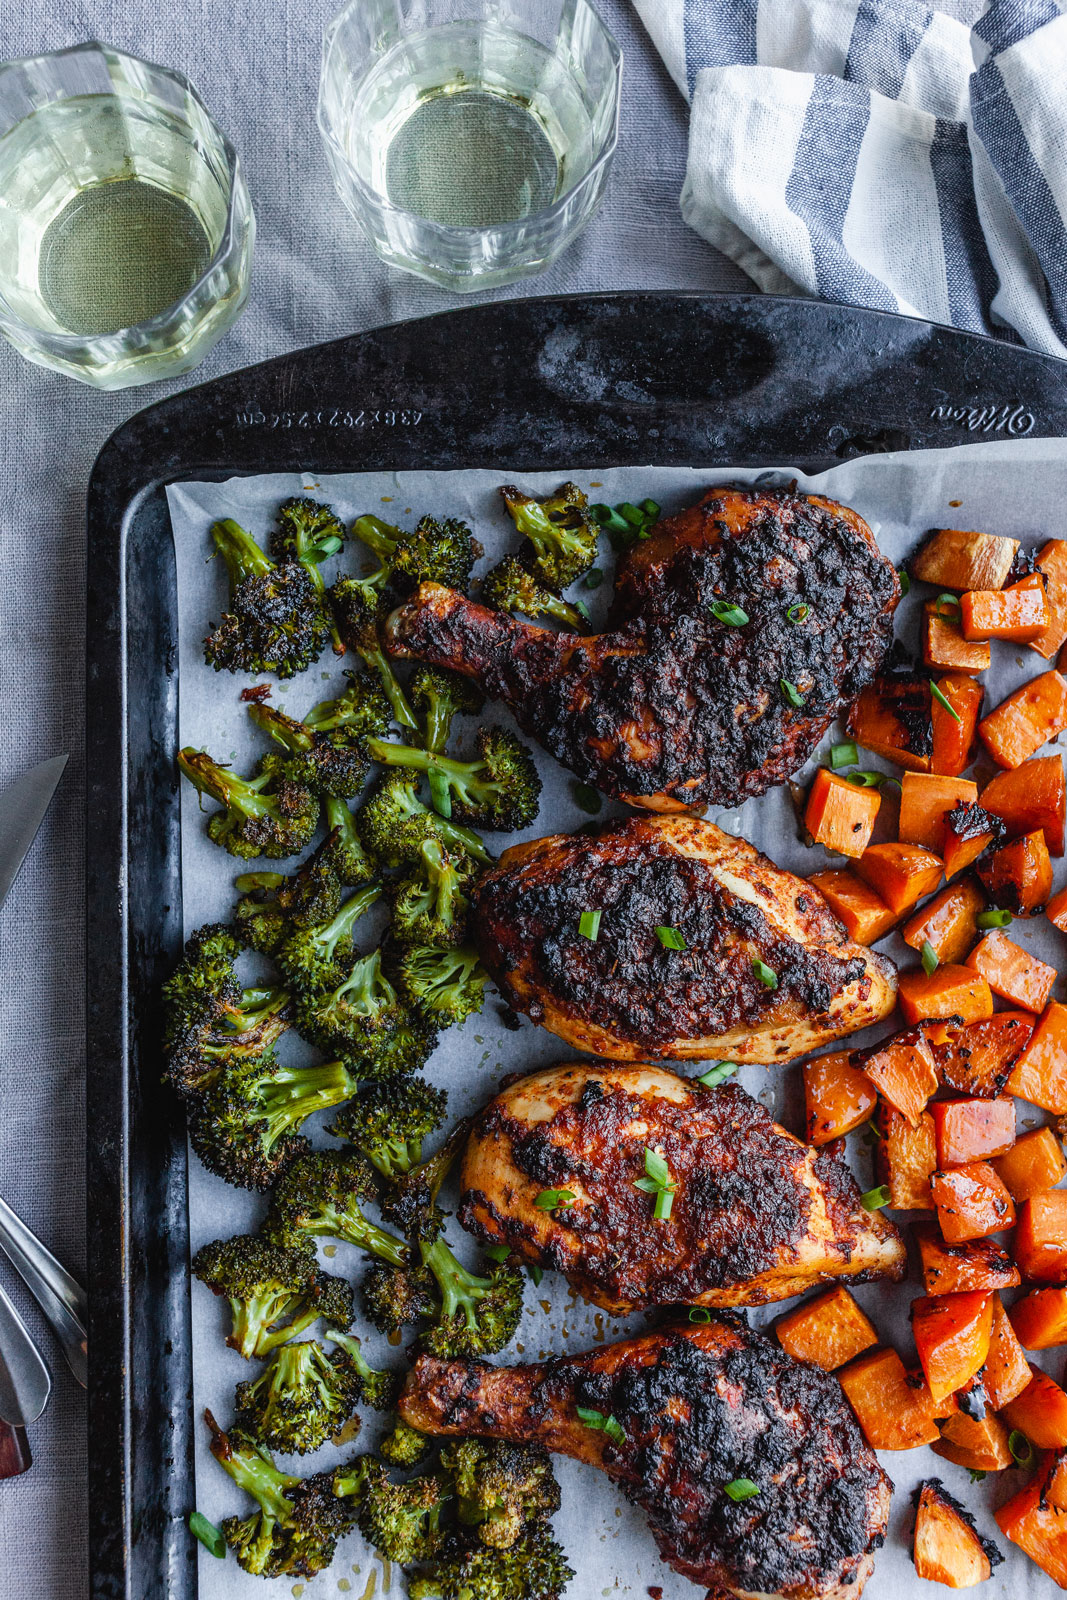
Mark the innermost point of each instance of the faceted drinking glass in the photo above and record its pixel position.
(126, 230)
(470, 139)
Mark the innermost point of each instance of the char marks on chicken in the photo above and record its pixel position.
(672, 707)
(697, 1408)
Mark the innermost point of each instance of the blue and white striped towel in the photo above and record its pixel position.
(883, 154)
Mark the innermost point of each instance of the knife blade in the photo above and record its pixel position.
(22, 808)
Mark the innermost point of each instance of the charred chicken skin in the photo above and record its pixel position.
(673, 707)
(696, 1408)
(755, 1215)
(755, 966)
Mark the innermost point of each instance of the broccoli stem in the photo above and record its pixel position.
(253, 1318)
(467, 779)
(230, 790)
(329, 1223)
(460, 1289)
(376, 658)
(330, 936)
(253, 1472)
(296, 1093)
(242, 555)
(256, 1006)
(381, 537)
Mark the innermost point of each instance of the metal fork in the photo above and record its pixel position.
(61, 1298)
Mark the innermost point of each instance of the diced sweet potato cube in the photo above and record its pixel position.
(947, 1547)
(1034, 1164)
(1020, 612)
(1056, 911)
(957, 1268)
(891, 717)
(905, 1159)
(1040, 1321)
(979, 1444)
(1040, 1412)
(972, 1130)
(902, 1070)
(1041, 1238)
(1026, 720)
(926, 798)
(1036, 1523)
(954, 735)
(946, 992)
(1013, 972)
(952, 1337)
(839, 815)
(968, 832)
(838, 1097)
(1030, 797)
(865, 918)
(944, 647)
(978, 1059)
(900, 874)
(1018, 875)
(1052, 559)
(954, 559)
(947, 923)
(829, 1330)
(1040, 1074)
(894, 1412)
(1007, 1371)
(971, 1202)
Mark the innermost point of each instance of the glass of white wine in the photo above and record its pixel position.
(126, 230)
(471, 139)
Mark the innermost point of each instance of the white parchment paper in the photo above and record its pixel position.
(1016, 488)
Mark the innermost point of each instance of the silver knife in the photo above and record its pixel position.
(22, 808)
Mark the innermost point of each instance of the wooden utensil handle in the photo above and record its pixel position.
(14, 1451)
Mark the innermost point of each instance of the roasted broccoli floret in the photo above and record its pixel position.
(229, 1035)
(441, 697)
(359, 608)
(322, 761)
(308, 532)
(320, 1196)
(439, 551)
(342, 846)
(273, 814)
(477, 1316)
(447, 985)
(533, 1568)
(404, 1446)
(512, 587)
(308, 956)
(295, 1531)
(410, 1203)
(275, 1292)
(430, 905)
(276, 622)
(401, 1520)
(500, 1487)
(561, 532)
(245, 1126)
(273, 905)
(394, 823)
(355, 1013)
(397, 1297)
(359, 710)
(389, 1121)
(204, 975)
(499, 790)
(378, 1390)
(300, 1400)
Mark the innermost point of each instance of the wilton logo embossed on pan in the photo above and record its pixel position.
(1012, 420)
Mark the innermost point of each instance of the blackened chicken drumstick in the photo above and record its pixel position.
(674, 706)
(695, 1409)
(755, 1215)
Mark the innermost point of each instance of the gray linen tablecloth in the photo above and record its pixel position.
(314, 279)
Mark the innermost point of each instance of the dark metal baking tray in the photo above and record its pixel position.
(590, 381)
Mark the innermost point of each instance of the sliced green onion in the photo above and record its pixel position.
(661, 1211)
(670, 938)
(798, 612)
(843, 755)
(875, 1199)
(942, 700)
(948, 606)
(929, 958)
(873, 1130)
(733, 616)
(717, 1074)
(656, 1167)
(647, 1185)
(210, 1537)
(603, 1424)
(766, 975)
(975, 1474)
(699, 1314)
(593, 578)
(497, 1252)
(791, 693)
(741, 1489)
(867, 778)
(650, 508)
(1021, 1448)
(535, 1275)
(589, 924)
(632, 514)
(587, 798)
(905, 581)
(440, 793)
(330, 546)
(582, 609)
(993, 919)
(554, 1199)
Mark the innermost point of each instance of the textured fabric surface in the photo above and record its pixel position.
(313, 279)
(882, 152)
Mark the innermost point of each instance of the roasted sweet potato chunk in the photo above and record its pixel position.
(1041, 1238)
(954, 559)
(972, 1130)
(1018, 727)
(902, 1069)
(1052, 559)
(1040, 1074)
(969, 832)
(837, 1095)
(906, 1159)
(1035, 1521)
(900, 874)
(959, 1268)
(1030, 797)
(1018, 875)
(947, 1547)
(954, 734)
(1013, 972)
(892, 718)
(1035, 1163)
(1020, 612)
(894, 1411)
(978, 1059)
(839, 815)
(945, 992)
(1056, 911)
(828, 1331)
(926, 798)
(947, 923)
(1040, 1412)
(944, 647)
(865, 918)
(978, 1443)
(971, 1202)
(952, 1337)
(1007, 1371)
(1040, 1321)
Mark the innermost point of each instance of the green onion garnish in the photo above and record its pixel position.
(657, 1181)
(798, 612)
(975, 1474)
(1021, 1448)
(554, 1199)
(875, 1199)
(661, 1211)
(733, 616)
(843, 755)
(535, 1275)
(865, 778)
(589, 924)
(905, 581)
(942, 700)
(993, 919)
(717, 1074)
(582, 609)
(791, 693)
(699, 1314)
(670, 938)
(497, 1252)
(587, 798)
(330, 546)
(766, 975)
(741, 1489)
(929, 958)
(948, 606)
(210, 1537)
(602, 1423)
(593, 578)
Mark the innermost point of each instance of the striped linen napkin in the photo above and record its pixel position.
(882, 154)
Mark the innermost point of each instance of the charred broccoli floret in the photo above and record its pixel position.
(389, 1121)
(439, 551)
(276, 622)
(410, 1203)
(245, 1126)
(275, 1292)
(397, 1297)
(429, 902)
(533, 1568)
(295, 1531)
(343, 848)
(320, 1196)
(512, 587)
(321, 761)
(404, 1446)
(441, 697)
(476, 1316)
(273, 905)
(307, 531)
(359, 710)
(499, 790)
(561, 532)
(378, 1390)
(500, 1487)
(448, 985)
(359, 609)
(356, 1013)
(401, 1520)
(226, 1036)
(273, 814)
(300, 1400)
(393, 823)
(204, 975)
(309, 955)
